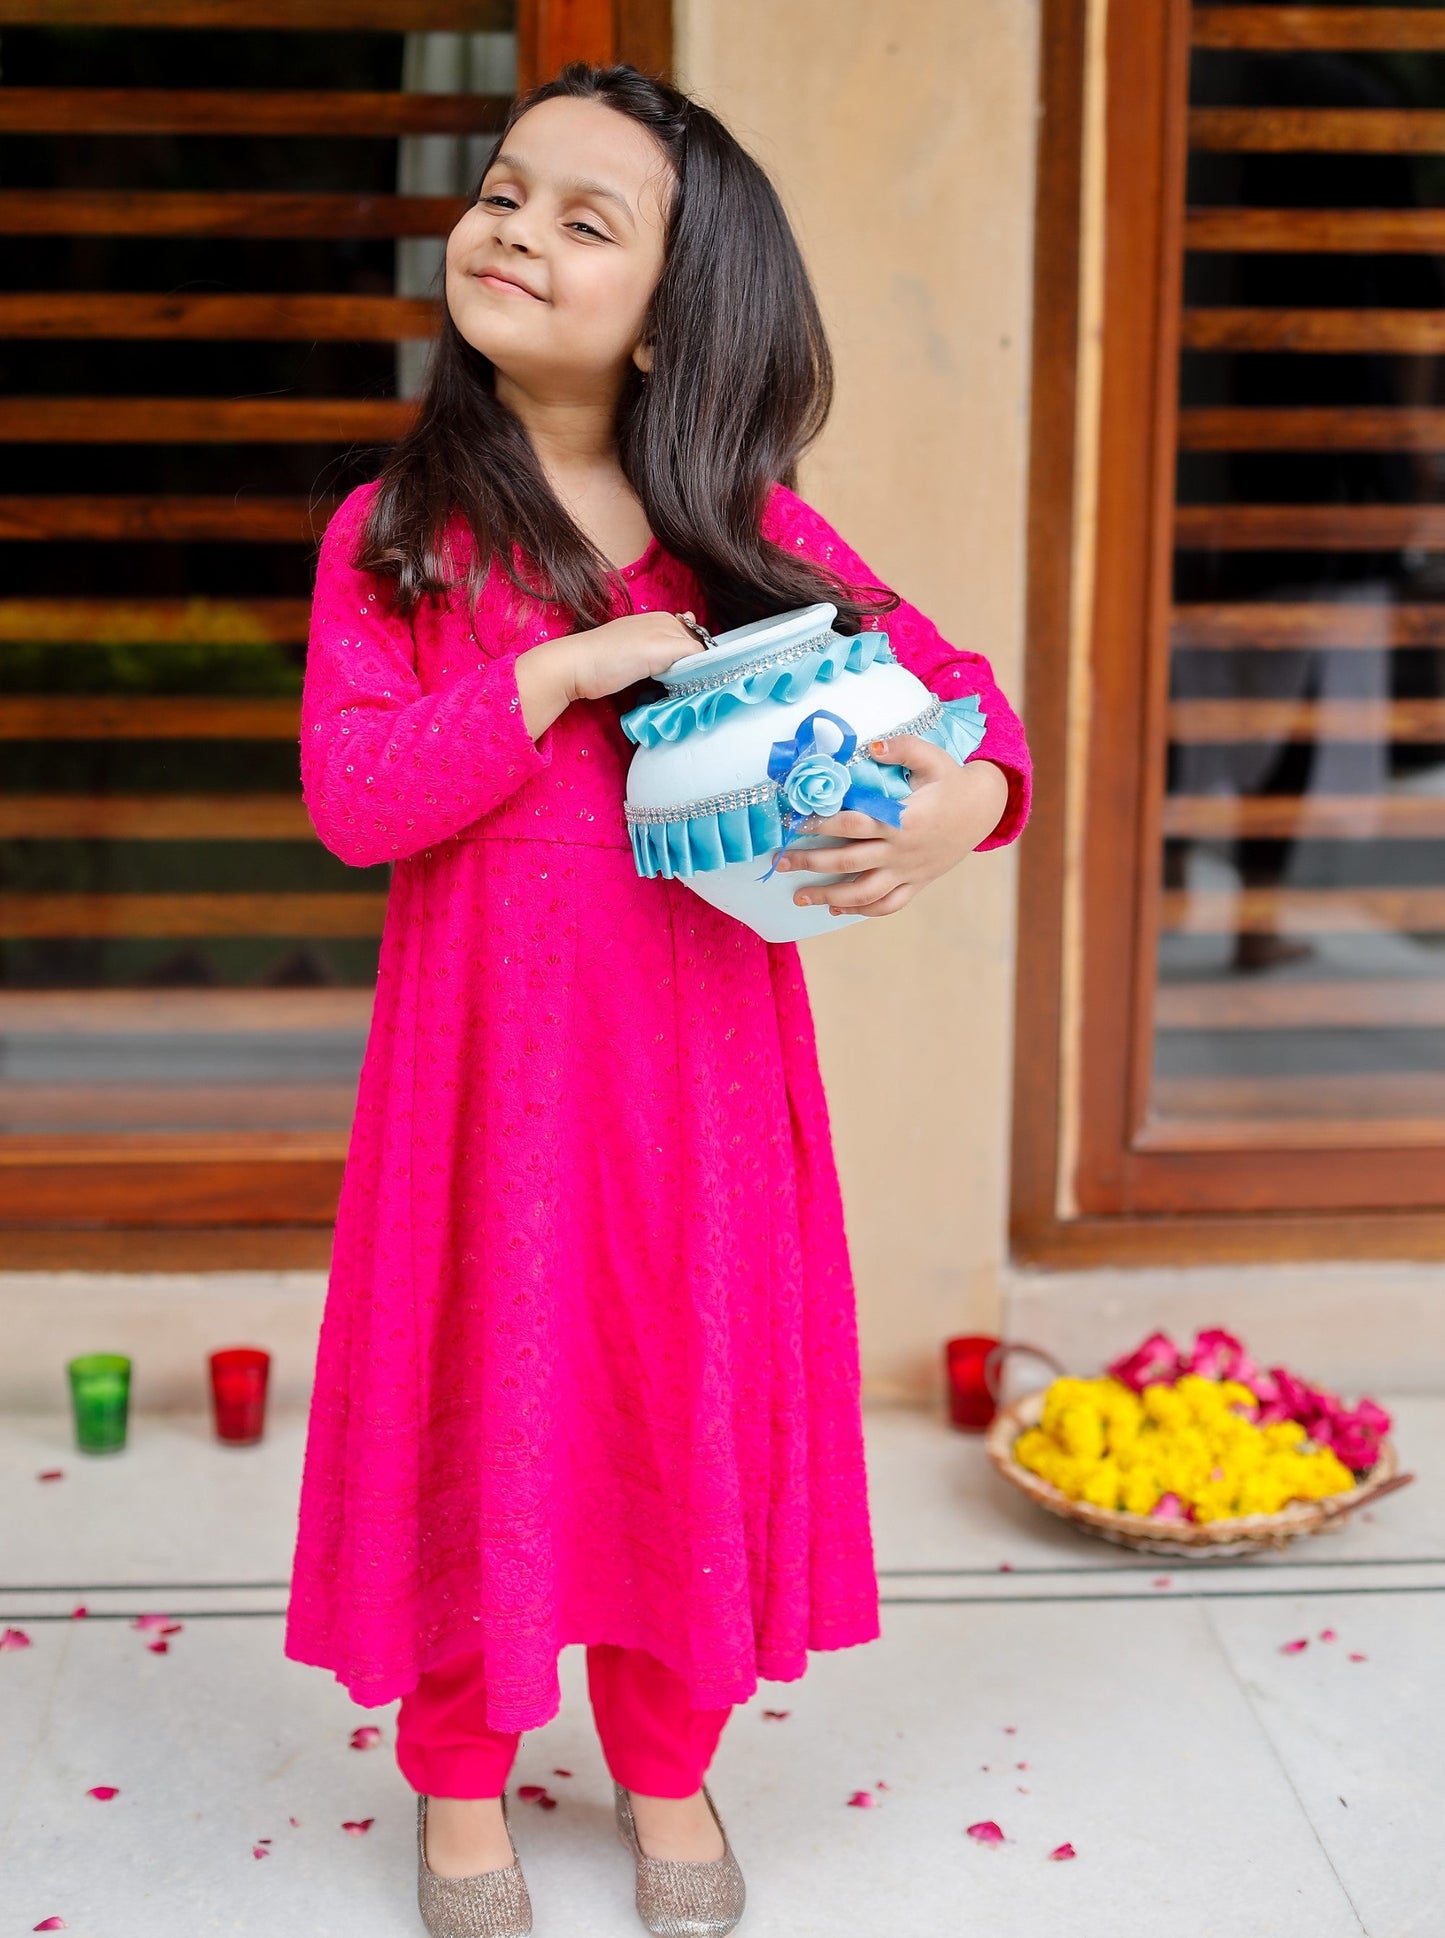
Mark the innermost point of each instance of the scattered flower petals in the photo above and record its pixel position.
(1355, 1657)
(1021, 1766)
(546, 1803)
(257, 1851)
(264, 1840)
(15, 1638)
(986, 1833)
(1061, 1851)
(295, 1822)
(51, 1473)
(1156, 1359)
(1005, 1567)
(159, 1648)
(76, 1613)
(527, 1791)
(172, 1628)
(1022, 1788)
(359, 1829)
(365, 1738)
(561, 1773)
(1010, 1729)
(863, 1800)
(151, 1621)
(1328, 1635)
(1168, 1507)
(104, 1792)
(880, 1784)
(1293, 1648)
(1162, 1581)
(776, 1715)
(51, 1924)
(983, 1766)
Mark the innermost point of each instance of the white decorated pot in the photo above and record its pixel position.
(763, 726)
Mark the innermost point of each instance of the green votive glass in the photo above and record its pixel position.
(100, 1400)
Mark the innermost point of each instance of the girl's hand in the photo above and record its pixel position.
(607, 659)
(610, 658)
(951, 809)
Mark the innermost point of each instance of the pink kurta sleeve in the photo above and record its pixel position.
(386, 768)
(918, 645)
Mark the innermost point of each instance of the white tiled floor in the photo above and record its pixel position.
(1212, 1787)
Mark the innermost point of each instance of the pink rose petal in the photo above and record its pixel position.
(1005, 1567)
(76, 1613)
(295, 1822)
(256, 1851)
(14, 1638)
(1293, 1648)
(527, 1791)
(1010, 1729)
(1168, 1507)
(51, 1924)
(1328, 1635)
(265, 1840)
(354, 1829)
(365, 1738)
(1162, 1581)
(1061, 1851)
(1022, 1788)
(1156, 1359)
(150, 1621)
(1021, 1766)
(863, 1800)
(986, 1833)
(776, 1715)
(880, 1785)
(566, 1773)
(546, 1803)
(159, 1648)
(51, 1473)
(104, 1792)
(1355, 1657)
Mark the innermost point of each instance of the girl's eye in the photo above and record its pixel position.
(498, 198)
(590, 230)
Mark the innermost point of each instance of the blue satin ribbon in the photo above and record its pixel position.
(785, 755)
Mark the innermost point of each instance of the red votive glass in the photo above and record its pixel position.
(971, 1400)
(238, 1393)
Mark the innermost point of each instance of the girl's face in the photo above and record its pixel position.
(550, 272)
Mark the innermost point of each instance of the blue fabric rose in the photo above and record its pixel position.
(816, 784)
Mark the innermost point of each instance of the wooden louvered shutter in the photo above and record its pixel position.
(1257, 1033)
(213, 300)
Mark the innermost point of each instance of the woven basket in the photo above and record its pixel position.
(1208, 1540)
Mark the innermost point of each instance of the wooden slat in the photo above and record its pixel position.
(1309, 331)
(119, 717)
(275, 318)
(1272, 1133)
(30, 1108)
(203, 420)
(1308, 817)
(1344, 131)
(134, 622)
(1400, 1096)
(1314, 231)
(1418, 721)
(1302, 911)
(133, 212)
(226, 111)
(340, 16)
(1249, 1004)
(1304, 428)
(1386, 29)
(22, 1150)
(1287, 626)
(235, 521)
(154, 817)
(189, 1012)
(1310, 528)
(198, 914)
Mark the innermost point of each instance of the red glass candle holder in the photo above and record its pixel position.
(974, 1363)
(238, 1393)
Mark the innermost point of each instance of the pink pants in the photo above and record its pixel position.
(653, 1740)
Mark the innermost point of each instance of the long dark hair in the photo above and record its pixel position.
(741, 383)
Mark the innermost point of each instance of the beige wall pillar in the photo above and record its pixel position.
(901, 139)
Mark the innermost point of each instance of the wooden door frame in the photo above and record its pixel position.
(1094, 1217)
(121, 1208)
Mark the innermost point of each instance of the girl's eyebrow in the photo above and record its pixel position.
(585, 185)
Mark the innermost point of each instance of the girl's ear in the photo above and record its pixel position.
(642, 357)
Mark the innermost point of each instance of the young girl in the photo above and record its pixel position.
(588, 1369)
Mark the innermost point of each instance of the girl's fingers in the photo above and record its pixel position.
(850, 822)
(867, 888)
(888, 904)
(836, 861)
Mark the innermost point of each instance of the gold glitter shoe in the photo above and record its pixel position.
(489, 1904)
(680, 1897)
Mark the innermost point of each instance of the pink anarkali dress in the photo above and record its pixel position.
(588, 1365)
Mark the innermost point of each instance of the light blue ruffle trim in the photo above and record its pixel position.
(675, 717)
(704, 841)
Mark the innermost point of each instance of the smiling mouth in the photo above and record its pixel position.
(490, 280)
